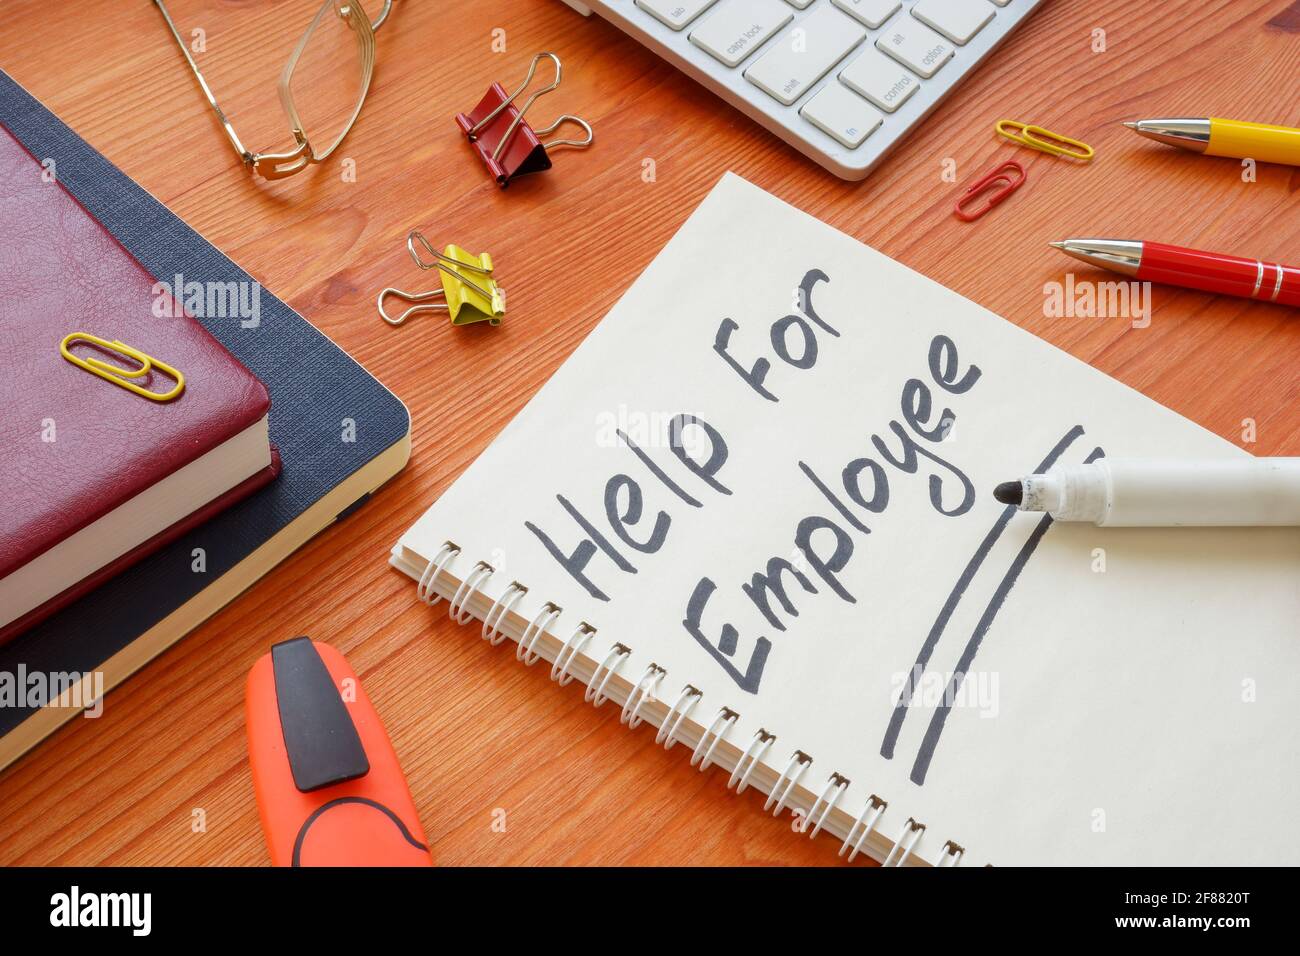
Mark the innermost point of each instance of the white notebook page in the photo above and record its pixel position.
(1127, 693)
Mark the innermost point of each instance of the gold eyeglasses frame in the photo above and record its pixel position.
(281, 165)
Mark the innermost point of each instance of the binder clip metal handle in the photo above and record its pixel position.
(416, 297)
(446, 264)
(482, 124)
(555, 144)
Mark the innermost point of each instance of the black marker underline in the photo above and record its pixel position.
(954, 598)
(925, 752)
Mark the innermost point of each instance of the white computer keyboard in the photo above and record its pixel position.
(841, 80)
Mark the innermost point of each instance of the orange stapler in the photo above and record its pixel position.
(329, 788)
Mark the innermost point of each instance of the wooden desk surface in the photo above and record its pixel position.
(474, 730)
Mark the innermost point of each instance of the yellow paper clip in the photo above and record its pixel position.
(1044, 140)
(122, 376)
(466, 299)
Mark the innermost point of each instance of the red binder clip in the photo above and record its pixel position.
(503, 139)
(998, 184)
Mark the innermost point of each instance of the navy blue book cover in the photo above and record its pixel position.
(316, 389)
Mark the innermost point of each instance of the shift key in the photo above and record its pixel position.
(803, 55)
(739, 27)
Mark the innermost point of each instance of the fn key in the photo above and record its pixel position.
(839, 112)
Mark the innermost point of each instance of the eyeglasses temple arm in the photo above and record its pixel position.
(244, 155)
(383, 15)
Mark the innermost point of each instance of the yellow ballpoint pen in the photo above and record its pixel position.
(1224, 137)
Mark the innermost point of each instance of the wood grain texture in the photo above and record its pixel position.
(474, 730)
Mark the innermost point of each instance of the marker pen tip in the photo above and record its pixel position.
(1010, 492)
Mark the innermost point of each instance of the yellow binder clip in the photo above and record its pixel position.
(468, 293)
(122, 377)
(1044, 140)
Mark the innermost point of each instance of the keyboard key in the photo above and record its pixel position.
(675, 14)
(880, 79)
(738, 27)
(842, 114)
(958, 20)
(805, 54)
(800, 4)
(918, 48)
(870, 12)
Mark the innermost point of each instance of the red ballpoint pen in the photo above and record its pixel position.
(1190, 268)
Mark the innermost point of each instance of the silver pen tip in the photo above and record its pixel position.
(1057, 245)
(1131, 125)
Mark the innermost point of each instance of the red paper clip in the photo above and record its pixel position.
(504, 141)
(1007, 178)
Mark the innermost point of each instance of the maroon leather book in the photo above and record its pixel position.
(74, 447)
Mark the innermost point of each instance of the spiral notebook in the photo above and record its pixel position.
(754, 510)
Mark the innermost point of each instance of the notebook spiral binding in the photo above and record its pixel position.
(599, 689)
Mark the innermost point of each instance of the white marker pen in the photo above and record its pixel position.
(1163, 493)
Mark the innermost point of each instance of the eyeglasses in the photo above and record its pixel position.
(281, 165)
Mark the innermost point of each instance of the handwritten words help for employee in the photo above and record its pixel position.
(826, 540)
